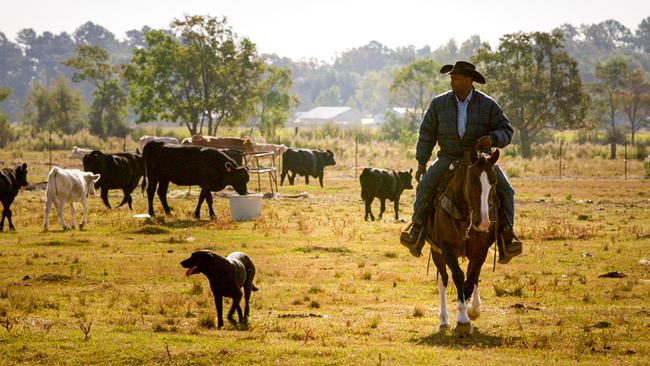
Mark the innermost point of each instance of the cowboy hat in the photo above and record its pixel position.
(464, 68)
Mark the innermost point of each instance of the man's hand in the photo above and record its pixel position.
(422, 168)
(484, 141)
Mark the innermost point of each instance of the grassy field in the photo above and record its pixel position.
(333, 288)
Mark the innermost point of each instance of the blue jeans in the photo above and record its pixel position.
(429, 184)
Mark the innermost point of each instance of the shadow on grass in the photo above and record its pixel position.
(162, 224)
(450, 339)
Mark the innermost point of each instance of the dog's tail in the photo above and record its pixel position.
(253, 287)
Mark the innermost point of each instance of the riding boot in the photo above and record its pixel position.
(509, 246)
(413, 237)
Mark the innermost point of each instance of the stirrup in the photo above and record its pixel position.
(414, 248)
(505, 254)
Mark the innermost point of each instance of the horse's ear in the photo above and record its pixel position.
(495, 156)
(473, 156)
(229, 167)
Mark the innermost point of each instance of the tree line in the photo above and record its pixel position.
(199, 73)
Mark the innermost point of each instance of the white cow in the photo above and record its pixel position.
(68, 185)
(145, 139)
(79, 153)
(277, 150)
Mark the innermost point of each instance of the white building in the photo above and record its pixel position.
(340, 116)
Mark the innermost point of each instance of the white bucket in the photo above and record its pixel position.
(246, 207)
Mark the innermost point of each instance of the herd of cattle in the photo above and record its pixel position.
(208, 162)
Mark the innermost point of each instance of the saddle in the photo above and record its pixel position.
(444, 199)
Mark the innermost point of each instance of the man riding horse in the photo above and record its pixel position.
(459, 120)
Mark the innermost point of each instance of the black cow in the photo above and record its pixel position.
(305, 162)
(190, 165)
(235, 155)
(10, 182)
(383, 184)
(118, 171)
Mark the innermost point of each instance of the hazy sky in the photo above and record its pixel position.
(322, 28)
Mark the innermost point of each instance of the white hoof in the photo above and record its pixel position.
(473, 313)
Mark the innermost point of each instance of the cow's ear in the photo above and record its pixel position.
(96, 177)
(330, 152)
(229, 167)
(24, 166)
(411, 171)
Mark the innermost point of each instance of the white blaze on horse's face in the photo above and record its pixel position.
(485, 208)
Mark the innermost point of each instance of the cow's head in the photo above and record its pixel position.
(95, 162)
(406, 178)
(21, 175)
(328, 158)
(91, 179)
(237, 177)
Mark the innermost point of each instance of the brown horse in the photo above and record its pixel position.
(460, 226)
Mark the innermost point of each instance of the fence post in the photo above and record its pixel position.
(625, 154)
(561, 144)
(356, 155)
(50, 148)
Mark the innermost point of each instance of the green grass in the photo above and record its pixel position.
(333, 288)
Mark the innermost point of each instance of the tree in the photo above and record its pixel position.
(198, 73)
(274, 101)
(57, 108)
(108, 110)
(413, 87)
(372, 93)
(330, 97)
(66, 107)
(91, 34)
(6, 132)
(536, 82)
(47, 51)
(371, 57)
(37, 109)
(611, 77)
(15, 73)
(635, 100)
(642, 39)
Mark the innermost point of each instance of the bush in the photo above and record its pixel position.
(40, 141)
(6, 131)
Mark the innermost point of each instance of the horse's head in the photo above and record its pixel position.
(479, 187)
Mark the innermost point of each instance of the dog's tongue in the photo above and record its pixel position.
(190, 271)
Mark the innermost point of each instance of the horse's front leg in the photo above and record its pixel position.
(474, 308)
(443, 280)
(471, 289)
(443, 317)
(463, 324)
(478, 257)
